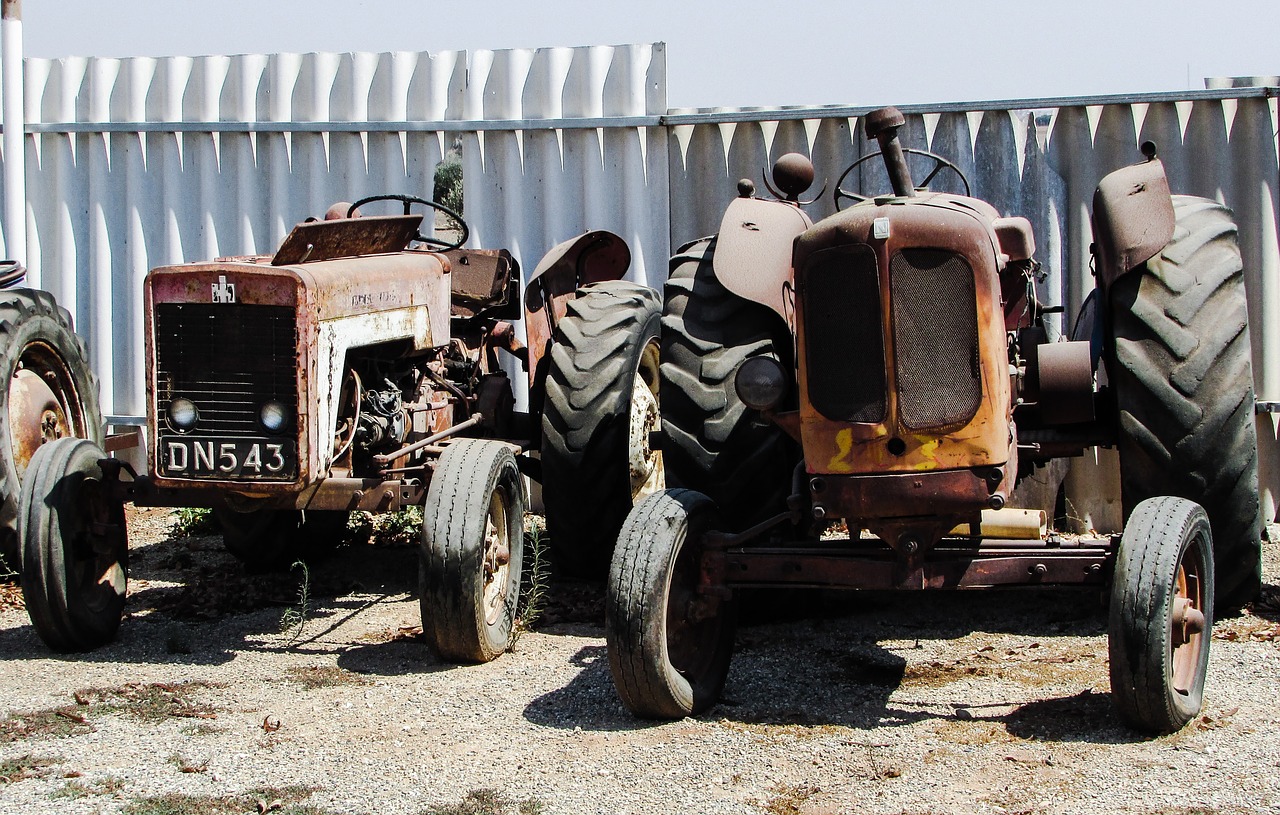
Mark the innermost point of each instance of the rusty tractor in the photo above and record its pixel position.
(360, 368)
(889, 368)
(51, 391)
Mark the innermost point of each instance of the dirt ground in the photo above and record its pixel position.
(933, 703)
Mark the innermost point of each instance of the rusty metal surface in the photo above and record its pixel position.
(934, 493)
(870, 565)
(1132, 218)
(346, 237)
(481, 279)
(945, 222)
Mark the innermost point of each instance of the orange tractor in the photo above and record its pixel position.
(889, 368)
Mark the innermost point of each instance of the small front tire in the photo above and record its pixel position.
(75, 556)
(472, 549)
(669, 644)
(1161, 615)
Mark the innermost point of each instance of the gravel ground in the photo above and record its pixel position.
(869, 704)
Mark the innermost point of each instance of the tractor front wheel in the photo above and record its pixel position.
(75, 557)
(669, 643)
(472, 551)
(1161, 614)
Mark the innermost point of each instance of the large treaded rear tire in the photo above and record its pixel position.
(1183, 380)
(593, 466)
(36, 336)
(714, 444)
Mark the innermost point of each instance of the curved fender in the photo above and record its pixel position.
(1132, 218)
(753, 251)
(591, 257)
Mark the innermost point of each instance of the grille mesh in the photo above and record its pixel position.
(935, 325)
(228, 359)
(844, 346)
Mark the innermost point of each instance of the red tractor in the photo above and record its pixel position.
(889, 368)
(359, 368)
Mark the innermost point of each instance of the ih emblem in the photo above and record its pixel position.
(224, 292)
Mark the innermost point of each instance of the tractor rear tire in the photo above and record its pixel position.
(601, 404)
(1183, 381)
(714, 443)
(669, 645)
(50, 393)
(75, 558)
(1161, 615)
(472, 551)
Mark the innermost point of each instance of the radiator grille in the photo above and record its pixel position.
(844, 346)
(935, 328)
(228, 359)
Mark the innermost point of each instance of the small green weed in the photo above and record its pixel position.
(189, 521)
(487, 802)
(154, 702)
(55, 722)
(534, 580)
(294, 618)
(403, 528)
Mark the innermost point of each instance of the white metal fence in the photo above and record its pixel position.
(134, 163)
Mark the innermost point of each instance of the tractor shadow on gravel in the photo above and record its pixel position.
(1000, 665)
(192, 603)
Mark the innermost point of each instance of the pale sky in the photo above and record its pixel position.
(740, 53)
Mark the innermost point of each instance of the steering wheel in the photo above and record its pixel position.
(939, 164)
(407, 200)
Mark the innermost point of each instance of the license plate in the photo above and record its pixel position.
(274, 459)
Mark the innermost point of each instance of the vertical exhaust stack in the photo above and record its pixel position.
(882, 125)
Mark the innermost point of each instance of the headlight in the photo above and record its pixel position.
(183, 414)
(761, 383)
(274, 416)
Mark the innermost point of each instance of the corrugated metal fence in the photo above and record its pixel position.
(134, 163)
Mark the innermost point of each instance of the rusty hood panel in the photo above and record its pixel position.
(954, 224)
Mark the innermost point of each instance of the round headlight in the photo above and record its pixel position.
(761, 383)
(183, 414)
(274, 416)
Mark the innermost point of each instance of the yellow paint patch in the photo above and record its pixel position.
(842, 461)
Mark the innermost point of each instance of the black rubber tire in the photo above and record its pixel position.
(607, 338)
(664, 665)
(467, 612)
(75, 557)
(1156, 687)
(713, 443)
(1182, 374)
(36, 334)
(272, 540)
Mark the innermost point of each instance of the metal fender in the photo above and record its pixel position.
(753, 251)
(1132, 218)
(589, 258)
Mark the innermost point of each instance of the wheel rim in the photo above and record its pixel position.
(645, 463)
(1187, 619)
(692, 620)
(43, 405)
(497, 557)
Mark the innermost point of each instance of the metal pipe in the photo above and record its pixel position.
(12, 141)
(429, 440)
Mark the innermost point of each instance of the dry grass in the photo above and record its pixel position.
(280, 800)
(314, 677)
(155, 702)
(13, 770)
(787, 799)
(487, 802)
